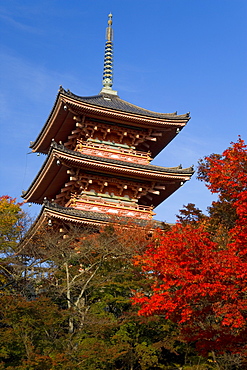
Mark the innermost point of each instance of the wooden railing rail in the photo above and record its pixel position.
(111, 203)
(115, 147)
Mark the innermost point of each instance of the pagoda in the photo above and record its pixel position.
(98, 152)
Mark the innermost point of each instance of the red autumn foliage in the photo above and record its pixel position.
(200, 278)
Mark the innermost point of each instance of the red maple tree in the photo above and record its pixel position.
(199, 276)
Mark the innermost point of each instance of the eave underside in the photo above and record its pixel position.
(61, 122)
(53, 174)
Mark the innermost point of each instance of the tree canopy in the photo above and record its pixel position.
(199, 268)
(66, 294)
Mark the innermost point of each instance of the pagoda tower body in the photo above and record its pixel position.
(98, 151)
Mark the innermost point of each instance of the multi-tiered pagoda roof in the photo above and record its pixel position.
(98, 151)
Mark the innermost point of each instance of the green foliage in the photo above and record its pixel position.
(11, 223)
(31, 332)
(69, 305)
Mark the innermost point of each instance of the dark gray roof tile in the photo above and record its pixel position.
(89, 215)
(177, 170)
(115, 103)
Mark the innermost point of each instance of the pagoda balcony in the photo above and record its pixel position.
(111, 150)
(115, 206)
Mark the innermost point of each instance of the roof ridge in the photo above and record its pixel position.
(106, 99)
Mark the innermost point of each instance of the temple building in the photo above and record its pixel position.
(98, 152)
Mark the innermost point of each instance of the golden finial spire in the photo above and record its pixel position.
(108, 60)
(109, 30)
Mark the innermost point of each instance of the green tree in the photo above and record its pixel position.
(33, 334)
(13, 225)
(67, 303)
(92, 276)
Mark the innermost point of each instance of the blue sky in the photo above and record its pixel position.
(169, 55)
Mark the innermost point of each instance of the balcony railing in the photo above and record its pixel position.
(108, 205)
(117, 148)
